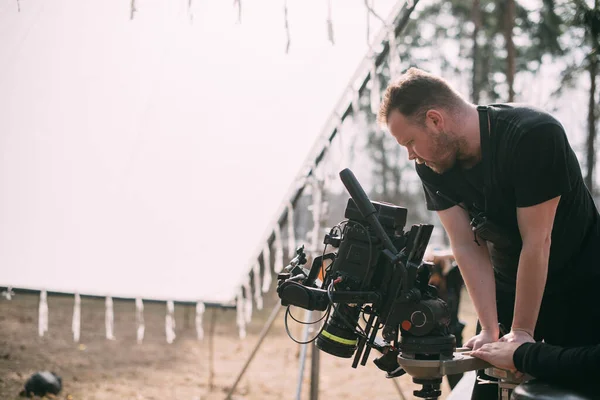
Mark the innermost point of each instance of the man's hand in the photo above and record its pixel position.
(484, 337)
(517, 336)
(499, 354)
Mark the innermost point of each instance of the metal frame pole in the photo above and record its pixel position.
(314, 372)
(303, 353)
(263, 334)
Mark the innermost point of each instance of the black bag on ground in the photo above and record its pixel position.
(42, 383)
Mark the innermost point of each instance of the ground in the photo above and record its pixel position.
(99, 369)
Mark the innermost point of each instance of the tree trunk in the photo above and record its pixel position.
(485, 61)
(593, 71)
(509, 22)
(476, 79)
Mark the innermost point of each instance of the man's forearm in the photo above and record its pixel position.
(478, 274)
(531, 280)
(559, 364)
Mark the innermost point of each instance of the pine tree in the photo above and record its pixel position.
(581, 23)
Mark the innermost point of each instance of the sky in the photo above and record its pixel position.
(150, 157)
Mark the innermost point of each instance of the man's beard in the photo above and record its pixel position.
(448, 148)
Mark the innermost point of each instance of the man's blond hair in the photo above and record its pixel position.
(416, 92)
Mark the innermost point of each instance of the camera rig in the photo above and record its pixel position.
(378, 272)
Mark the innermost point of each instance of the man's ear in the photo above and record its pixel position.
(434, 119)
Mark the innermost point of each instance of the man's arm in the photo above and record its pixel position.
(541, 360)
(475, 266)
(535, 226)
(553, 363)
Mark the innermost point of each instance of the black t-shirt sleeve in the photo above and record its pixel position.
(540, 165)
(432, 184)
(558, 364)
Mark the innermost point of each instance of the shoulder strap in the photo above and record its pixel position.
(486, 153)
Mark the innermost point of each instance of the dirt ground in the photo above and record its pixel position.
(99, 369)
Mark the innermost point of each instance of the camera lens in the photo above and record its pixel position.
(338, 336)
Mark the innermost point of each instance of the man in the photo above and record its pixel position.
(508, 190)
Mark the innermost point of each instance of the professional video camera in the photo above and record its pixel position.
(377, 271)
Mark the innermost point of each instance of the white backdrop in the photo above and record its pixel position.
(146, 158)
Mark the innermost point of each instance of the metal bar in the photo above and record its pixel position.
(398, 388)
(314, 372)
(211, 350)
(263, 334)
(303, 352)
(363, 362)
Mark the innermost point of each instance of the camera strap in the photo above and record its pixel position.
(486, 154)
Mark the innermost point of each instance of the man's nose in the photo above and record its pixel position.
(411, 155)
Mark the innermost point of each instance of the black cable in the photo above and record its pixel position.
(340, 224)
(287, 329)
(360, 333)
(363, 315)
(305, 323)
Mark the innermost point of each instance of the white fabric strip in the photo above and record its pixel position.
(330, 35)
(43, 314)
(278, 262)
(76, 325)
(393, 56)
(267, 279)
(356, 103)
(317, 203)
(139, 319)
(200, 309)
(240, 316)
(257, 286)
(375, 89)
(109, 319)
(170, 322)
(291, 231)
(329, 168)
(238, 5)
(8, 293)
(247, 301)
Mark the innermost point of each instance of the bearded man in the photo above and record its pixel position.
(509, 192)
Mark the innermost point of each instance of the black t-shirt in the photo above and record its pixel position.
(532, 162)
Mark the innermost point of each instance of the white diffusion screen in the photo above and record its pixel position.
(147, 157)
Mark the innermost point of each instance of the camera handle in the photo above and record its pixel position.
(368, 212)
(366, 208)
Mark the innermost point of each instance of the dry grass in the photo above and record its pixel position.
(99, 369)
